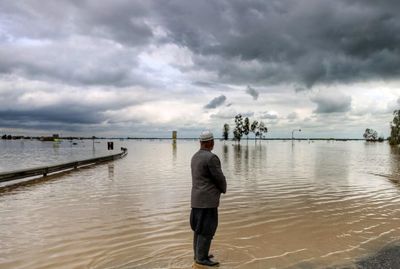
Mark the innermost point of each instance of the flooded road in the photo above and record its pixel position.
(289, 205)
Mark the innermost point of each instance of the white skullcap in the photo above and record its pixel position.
(206, 136)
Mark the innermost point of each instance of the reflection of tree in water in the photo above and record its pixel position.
(237, 158)
(258, 156)
(395, 163)
(225, 150)
(248, 159)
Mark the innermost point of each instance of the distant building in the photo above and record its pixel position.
(174, 135)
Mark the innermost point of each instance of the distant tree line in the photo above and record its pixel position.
(244, 127)
(18, 137)
(6, 137)
(13, 137)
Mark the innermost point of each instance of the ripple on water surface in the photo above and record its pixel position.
(300, 205)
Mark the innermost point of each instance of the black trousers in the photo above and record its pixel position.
(204, 221)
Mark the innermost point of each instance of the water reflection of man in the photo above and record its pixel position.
(208, 182)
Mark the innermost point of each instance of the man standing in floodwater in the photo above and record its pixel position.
(208, 182)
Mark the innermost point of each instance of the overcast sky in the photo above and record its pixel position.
(145, 68)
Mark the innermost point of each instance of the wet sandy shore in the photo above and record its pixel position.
(387, 258)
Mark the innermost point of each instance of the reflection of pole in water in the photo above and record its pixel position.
(174, 149)
(174, 136)
(111, 171)
(93, 148)
(295, 130)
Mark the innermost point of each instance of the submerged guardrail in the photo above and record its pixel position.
(47, 170)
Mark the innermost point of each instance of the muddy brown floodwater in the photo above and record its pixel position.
(289, 205)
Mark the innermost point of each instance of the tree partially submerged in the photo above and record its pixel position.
(239, 130)
(226, 131)
(370, 135)
(243, 127)
(259, 129)
(246, 128)
(395, 129)
(254, 129)
(262, 129)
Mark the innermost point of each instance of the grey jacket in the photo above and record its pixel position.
(208, 181)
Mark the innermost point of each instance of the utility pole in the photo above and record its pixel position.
(295, 131)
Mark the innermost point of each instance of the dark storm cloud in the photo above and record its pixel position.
(302, 41)
(328, 102)
(69, 117)
(252, 92)
(75, 42)
(255, 41)
(46, 108)
(51, 118)
(65, 115)
(214, 45)
(123, 21)
(216, 102)
(95, 64)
